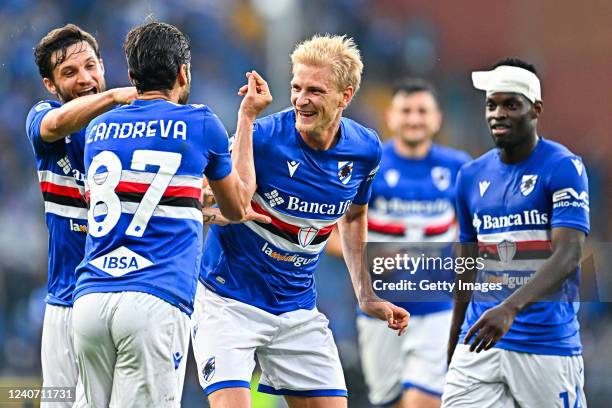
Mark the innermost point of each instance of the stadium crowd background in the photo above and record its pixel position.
(568, 44)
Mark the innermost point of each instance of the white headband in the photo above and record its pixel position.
(508, 79)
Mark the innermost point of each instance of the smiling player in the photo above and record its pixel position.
(69, 63)
(314, 169)
(526, 206)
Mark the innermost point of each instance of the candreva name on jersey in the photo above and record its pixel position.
(164, 129)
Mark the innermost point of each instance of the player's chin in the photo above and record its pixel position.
(304, 127)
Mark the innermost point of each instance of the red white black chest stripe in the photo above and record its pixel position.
(524, 250)
(290, 233)
(181, 199)
(63, 196)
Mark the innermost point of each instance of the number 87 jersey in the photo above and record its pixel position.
(145, 164)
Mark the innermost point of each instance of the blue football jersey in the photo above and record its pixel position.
(510, 209)
(61, 176)
(145, 164)
(413, 201)
(304, 191)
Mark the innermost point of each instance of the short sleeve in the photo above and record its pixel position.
(365, 188)
(219, 158)
(467, 233)
(570, 195)
(33, 122)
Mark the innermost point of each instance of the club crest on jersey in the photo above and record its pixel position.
(506, 250)
(528, 183)
(392, 177)
(345, 171)
(306, 235)
(208, 372)
(441, 177)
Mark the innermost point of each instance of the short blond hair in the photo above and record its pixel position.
(338, 52)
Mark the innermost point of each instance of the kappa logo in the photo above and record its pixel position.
(64, 163)
(441, 177)
(392, 177)
(528, 184)
(208, 372)
(306, 235)
(578, 165)
(345, 171)
(483, 186)
(292, 166)
(273, 198)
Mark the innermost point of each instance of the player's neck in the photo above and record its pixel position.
(323, 140)
(412, 150)
(520, 152)
(170, 95)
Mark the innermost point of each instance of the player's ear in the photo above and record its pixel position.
(101, 65)
(538, 108)
(50, 86)
(347, 96)
(183, 75)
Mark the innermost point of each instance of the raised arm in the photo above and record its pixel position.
(234, 192)
(76, 114)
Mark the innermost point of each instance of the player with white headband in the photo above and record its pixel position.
(524, 206)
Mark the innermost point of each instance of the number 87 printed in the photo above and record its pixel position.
(102, 189)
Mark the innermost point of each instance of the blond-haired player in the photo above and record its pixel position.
(257, 296)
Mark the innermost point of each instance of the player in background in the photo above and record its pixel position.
(145, 164)
(413, 201)
(314, 169)
(525, 205)
(69, 63)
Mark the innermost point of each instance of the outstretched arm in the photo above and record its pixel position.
(76, 114)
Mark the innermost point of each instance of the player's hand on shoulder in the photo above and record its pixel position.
(125, 95)
(492, 326)
(256, 95)
(396, 317)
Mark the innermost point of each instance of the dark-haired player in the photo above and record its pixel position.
(413, 202)
(69, 63)
(145, 164)
(525, 205)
